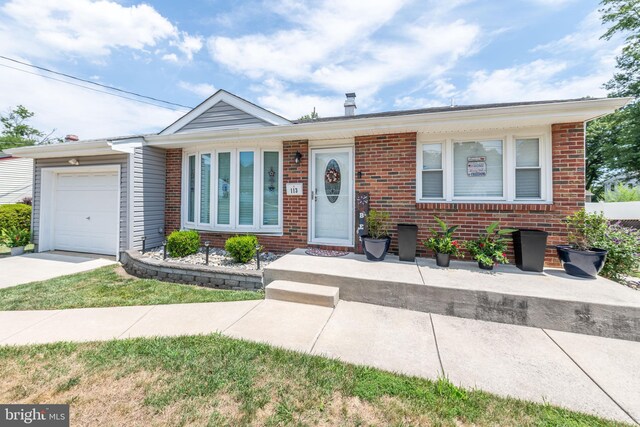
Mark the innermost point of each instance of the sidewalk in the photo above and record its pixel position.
(590, 374)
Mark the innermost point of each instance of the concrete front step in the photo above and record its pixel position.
(303, 293)
(551, 300)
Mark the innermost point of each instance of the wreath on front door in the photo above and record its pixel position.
(332, 176)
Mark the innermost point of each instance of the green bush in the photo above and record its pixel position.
(622, 193)
(241, 248)
(183, 243)
(14, 237)
(17, 215)
(592, 230)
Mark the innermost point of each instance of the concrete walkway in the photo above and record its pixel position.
(18, 270)
(590, 374)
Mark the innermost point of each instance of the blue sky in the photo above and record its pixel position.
(291, 56)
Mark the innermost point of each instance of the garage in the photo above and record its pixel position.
(86, 212)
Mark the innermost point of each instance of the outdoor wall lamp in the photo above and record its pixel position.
(359, 174)
(74, 162)
(297, 157)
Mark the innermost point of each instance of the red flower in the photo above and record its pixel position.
(482, 245)
(455, 243)
(504, 255)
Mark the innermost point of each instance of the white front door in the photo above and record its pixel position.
(85, 212)
(331, 191)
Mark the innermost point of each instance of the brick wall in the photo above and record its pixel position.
(173, 190)
(388, 163)
(294, 207)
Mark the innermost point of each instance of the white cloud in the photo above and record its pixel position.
(170, 57)
(189, 45)
(72, 110)
(203, 90)
(335, 46)
(537, 80)
(86, 28)
(411, 103)
(585, 38)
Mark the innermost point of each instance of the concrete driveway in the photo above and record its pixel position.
(18, 270)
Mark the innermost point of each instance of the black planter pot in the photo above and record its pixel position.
(529, 247)
(375, 249)
(577, 263)
(407, 242)
(485, 267)
(442, 260)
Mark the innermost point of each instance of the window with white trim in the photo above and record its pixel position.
(233, 189)
(508, 168)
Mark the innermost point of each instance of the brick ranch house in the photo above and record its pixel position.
(231, 167)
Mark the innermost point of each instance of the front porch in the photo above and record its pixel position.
(551, 299)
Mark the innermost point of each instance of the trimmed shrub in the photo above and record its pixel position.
(15, 216)
(183, 243)
(241, 248)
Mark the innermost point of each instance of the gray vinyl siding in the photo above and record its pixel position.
(115, 159)
(149, 177)
(16, 179)
(223, 115)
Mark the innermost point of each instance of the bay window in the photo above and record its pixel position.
(233, 189)
(506, 168)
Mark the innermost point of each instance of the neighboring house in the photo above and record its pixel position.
(230, 167)
(16, 178)
(611, 183)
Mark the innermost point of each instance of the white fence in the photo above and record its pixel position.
(618, 210)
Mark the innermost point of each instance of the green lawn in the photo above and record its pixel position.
(214, 380)
(105, 288)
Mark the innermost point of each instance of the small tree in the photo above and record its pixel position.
(310, 117)
(16, 132)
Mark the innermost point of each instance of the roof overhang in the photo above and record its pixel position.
(75, 149)
(441, 122)
(483, 119)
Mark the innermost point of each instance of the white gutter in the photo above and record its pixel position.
(90, 148)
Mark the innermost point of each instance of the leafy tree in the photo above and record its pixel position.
(613, 142)
(310, 117)
(17, 132)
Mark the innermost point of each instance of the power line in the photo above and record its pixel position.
(88, 88)
(90, 82)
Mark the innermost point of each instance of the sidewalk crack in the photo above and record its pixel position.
(32, 325)
(435, 338)
(591, 378)
(136, 322)
(242, 317)
(315, 341)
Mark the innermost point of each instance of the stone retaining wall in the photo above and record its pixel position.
(200, 275)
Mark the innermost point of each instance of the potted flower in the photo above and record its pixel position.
(15, 238)
(376, 242)
(580, 257)
(443, 244)
(490, 248)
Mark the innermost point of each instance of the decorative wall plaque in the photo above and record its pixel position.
(332, 180)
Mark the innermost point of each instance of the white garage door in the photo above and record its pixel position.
(86, 212)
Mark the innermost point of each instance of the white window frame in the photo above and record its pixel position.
(508, 166)
(233, 226)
